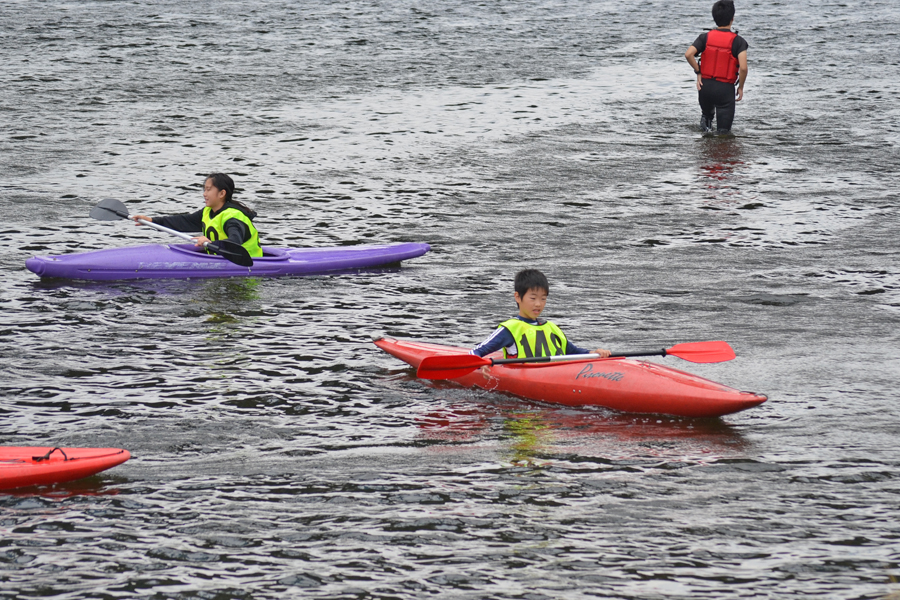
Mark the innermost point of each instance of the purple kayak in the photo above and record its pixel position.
(185, 261)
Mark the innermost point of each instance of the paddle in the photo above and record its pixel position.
(457, 365)
(111, 210)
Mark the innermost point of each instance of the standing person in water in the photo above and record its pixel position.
(221, 218)
(723, 63)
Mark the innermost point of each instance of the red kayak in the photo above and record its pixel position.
(35, 465)
(621, 384)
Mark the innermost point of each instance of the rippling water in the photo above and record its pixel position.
(278, 453)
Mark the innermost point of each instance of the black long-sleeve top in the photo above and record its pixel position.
(237, 231)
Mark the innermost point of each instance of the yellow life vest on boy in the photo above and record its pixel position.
(214, 228)
(545, 339)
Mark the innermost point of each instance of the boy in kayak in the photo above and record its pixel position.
(221, 218)
(723, 63)
(527, 335)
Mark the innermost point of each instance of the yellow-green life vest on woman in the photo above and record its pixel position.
(545, 339)
(214, 228)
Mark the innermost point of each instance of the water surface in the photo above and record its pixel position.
(278, 453)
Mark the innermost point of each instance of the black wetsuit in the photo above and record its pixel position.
(189, 222)
(717, 97)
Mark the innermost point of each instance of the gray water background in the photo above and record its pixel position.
(278, 453)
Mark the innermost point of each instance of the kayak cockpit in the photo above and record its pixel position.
(269, 254)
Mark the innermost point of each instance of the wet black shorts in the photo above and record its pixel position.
(717, 97)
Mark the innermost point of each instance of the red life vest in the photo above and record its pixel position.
(716, 61)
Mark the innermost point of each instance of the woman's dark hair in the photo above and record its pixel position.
(221, 181)
(530, 279)
(723, 12)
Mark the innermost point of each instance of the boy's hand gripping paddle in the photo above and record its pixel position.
(456, 365)
(111, 210)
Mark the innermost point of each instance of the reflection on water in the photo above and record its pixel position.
(528, 437)
(233, 291)
(95, 485)
(721, 157)
(116, 288)
(536, 435)
(229, 300)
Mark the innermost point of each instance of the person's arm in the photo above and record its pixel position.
(742, 75)
(237, 231)
(501, 338)
(186, 222)
(691, 55)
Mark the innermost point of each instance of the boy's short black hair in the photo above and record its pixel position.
(723, 12)
(529, 279)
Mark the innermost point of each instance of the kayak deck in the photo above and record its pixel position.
(620, 384)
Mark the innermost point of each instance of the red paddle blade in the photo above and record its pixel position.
(702, 352)
(450, 366)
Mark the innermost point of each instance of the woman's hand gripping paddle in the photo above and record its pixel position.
(457, 365)
(111, 210)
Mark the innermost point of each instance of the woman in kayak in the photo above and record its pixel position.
(221, 218)
(527, 335)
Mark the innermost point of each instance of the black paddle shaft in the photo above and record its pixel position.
(112, 210)
(542, 359)
(648, 353)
